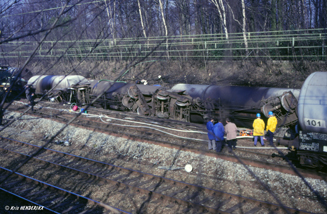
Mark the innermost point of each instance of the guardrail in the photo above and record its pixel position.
(276, 45)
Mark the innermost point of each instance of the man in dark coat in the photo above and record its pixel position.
(29, 91)
(212, 141)
(219, 132)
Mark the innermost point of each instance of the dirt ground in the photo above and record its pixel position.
(283, 74)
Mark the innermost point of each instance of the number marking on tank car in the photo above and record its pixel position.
(315, 123)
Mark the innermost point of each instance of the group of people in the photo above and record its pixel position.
(216, 135)
(217, 132)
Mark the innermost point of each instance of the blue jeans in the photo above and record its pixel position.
(231, 143)
(219, 145)
(270, 137)
(212, 144)
(256, 139)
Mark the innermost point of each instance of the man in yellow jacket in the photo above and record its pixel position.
(271, 127)
(258, 130)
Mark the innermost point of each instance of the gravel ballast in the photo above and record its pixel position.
(210, 172)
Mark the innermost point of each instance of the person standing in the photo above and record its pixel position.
(271, 127)
(231, 133)
(211, 142)
(29, 91)
(258, 129)
(219, 131)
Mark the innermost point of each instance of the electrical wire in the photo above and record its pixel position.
(49, 9)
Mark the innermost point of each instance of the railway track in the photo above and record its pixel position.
(154, 129)
(141, 192)
(11, 203)
(46, 197)
(252, 158)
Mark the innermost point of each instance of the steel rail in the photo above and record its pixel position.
(186, 203)
(107, 207)
(29, 201)
(229, 157)
(210, 191)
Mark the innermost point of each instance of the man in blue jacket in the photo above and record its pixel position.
(212, 141)
(219, 131)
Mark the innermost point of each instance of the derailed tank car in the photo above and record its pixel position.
(143, 99)
(302, 112)
(43, 83)
(122, 96)
(242, 103)
(185, 102)
(58, 86)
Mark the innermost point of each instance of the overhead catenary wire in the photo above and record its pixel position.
(53, 8)
(53, 66)
(50, 140)
(73, 69)
(18, 166)
(13, 82)
(70, 121)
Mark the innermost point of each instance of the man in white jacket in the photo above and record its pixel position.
(231, 133)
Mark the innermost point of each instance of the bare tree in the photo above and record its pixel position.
(244, 27)
(222, 14)
(163, 17)
(141, 18)
(165, 25)
(111, 17)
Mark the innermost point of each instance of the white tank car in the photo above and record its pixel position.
(43, 83)
(312, 115)
(312, 104)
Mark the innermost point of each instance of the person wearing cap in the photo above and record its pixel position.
(258, 129)
(271, 127)
(212, 141)
(231, 133)
(219, 131)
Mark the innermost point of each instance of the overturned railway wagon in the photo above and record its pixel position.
(243, 103)
(298, 111)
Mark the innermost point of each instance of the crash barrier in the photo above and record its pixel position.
(277, 45)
